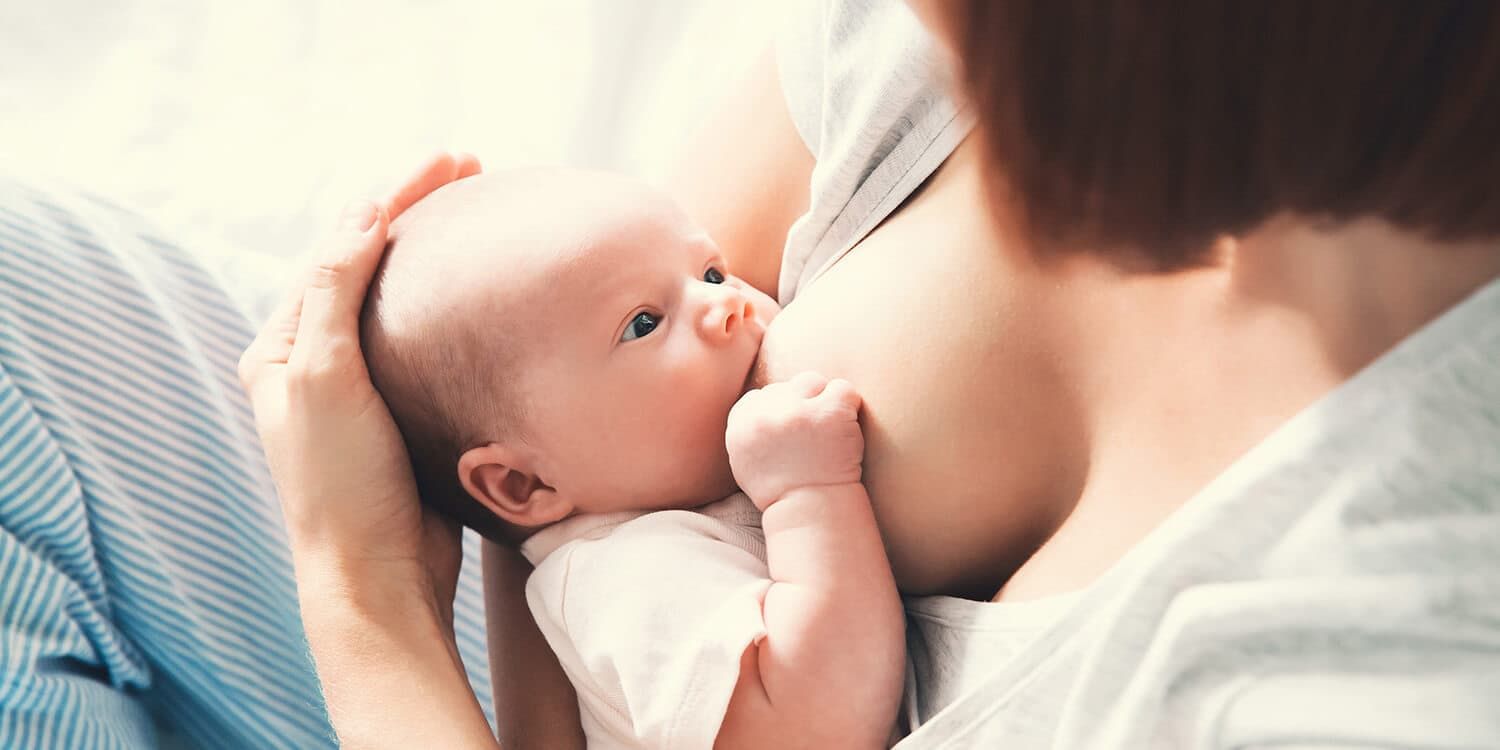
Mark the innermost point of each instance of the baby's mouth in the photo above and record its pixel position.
(756, 377)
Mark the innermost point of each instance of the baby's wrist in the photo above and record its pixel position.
(816, 503)
(764, 498)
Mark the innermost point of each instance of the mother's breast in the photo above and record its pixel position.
(920, 319)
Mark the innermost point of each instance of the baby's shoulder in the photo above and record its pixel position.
(663, 558)
(658, 546)
(733, 520)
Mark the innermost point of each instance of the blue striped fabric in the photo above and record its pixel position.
(146, 595)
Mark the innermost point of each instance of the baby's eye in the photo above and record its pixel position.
(713, 276)
(641, 325)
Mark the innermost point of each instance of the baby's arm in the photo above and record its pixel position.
(829, 671)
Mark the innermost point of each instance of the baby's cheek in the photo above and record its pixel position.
(689, 378)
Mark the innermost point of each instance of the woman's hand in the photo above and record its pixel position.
(339, 464)
(375, 575)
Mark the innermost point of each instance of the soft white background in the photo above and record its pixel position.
(245, 125)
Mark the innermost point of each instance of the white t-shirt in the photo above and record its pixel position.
(1338, 586)
(649, 614)
(863, 88)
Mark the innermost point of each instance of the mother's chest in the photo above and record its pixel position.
(917, 317)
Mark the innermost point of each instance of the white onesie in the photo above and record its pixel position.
(649, 614)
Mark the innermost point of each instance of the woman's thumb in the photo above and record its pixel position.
(336, 287)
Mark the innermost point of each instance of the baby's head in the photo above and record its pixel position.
(553, 342)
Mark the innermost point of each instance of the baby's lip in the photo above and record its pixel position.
(755, 374)
(759, 321)
(752, 378)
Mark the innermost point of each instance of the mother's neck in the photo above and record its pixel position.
(1178, 374)
(1362, 287)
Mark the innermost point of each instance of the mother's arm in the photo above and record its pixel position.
(375, 574)
(535, 705)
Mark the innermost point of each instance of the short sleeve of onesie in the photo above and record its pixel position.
(650, 618)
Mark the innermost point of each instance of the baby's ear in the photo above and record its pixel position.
(496, 477)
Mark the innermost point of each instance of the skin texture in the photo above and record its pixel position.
(629, 341)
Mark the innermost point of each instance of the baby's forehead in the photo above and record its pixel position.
(535, 240)
(590, 239)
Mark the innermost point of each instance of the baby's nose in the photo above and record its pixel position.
(726, 311)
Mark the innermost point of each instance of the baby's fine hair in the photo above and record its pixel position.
(447, 378)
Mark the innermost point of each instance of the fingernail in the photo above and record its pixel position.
(359, 216)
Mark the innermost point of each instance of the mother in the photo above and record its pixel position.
(1200, 322)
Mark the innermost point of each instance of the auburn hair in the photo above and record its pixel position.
(1149, 128)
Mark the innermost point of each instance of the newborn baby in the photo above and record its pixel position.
(567, 357)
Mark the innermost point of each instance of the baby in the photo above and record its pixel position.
(567, 357)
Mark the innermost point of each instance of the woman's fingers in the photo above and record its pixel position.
(468, 165)
(338, 282)
(438, 170)
(328, 325)
(272, 344)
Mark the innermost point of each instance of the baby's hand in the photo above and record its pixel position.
(800, 433)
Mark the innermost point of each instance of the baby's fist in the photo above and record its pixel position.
(800, 433)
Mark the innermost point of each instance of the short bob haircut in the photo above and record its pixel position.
(1147, 129)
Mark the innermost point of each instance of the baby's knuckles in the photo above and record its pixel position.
(780, 439)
